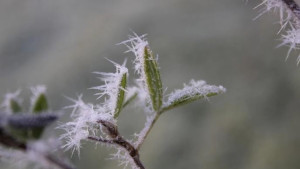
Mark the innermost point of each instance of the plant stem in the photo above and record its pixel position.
(117, 139)
(145, 132)
(293, 6)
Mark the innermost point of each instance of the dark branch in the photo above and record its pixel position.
(117, 139)
(293, 6)
(10, 141)
(100, 139)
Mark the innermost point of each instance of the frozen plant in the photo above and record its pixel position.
(289, 13)
(98, 122)
(21, 141)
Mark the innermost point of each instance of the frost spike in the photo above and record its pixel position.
(113, 89)
(12, 103)
(153, 79)
(121, 95)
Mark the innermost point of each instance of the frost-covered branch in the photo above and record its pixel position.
(191, 92)
(117, 139)
(98, 122)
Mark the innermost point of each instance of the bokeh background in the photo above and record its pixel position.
(254, 125)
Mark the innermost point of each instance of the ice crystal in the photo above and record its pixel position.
(36, 92)
(137, 44)
(110, 88)
(289, 21)
(85, 117)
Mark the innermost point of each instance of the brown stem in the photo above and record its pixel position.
(100, 139)
(117, 139)
(10, 141)
(145, 132)
(293, 6)
(131, 150)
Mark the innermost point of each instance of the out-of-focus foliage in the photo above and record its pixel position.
(254, 125)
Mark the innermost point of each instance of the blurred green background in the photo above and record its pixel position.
(254, 125)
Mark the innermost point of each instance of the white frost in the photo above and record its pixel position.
(192, 89)
(85, 117)
(7, 99)
(137, 44)
(111, 87)
(36, 92)
(288, 21)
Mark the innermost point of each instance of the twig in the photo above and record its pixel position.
(99, 139)
(145, 132)
(117, 139)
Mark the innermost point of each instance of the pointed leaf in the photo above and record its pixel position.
(14, 106)
(153, 79)
(194, 91)
(121, 95)
(40, 104)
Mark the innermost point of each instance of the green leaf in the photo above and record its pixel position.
(185, 100)
(40, 104)
(121, 95)
(14, 106)
(21, 134)
(195, 90)
(153, 79)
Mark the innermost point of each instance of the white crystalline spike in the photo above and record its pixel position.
(36, 91)
(111, 86)
(8, 97)
(136, 44)
(85, 117)
(288, 21)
